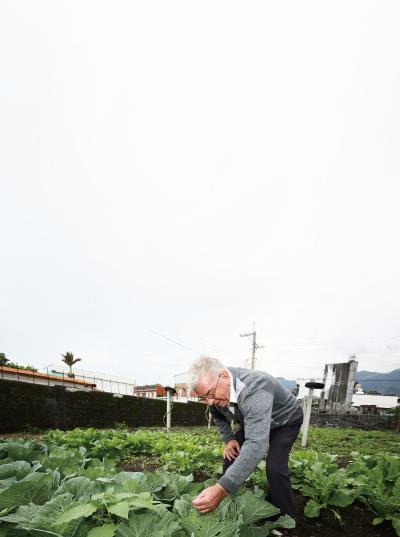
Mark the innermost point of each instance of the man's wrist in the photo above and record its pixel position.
(222, 490)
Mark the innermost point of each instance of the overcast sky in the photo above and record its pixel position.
(181, 170)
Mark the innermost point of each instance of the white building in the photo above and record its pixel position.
(373, 404)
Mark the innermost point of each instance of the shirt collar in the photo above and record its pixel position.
(233, 397)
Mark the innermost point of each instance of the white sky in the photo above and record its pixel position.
(189, 168)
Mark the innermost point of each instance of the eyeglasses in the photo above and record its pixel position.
(210, 394)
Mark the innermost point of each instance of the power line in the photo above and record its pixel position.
(172, 340)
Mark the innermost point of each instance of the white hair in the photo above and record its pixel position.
(203, 366)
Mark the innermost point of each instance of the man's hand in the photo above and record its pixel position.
(210, 498)
(231, 450)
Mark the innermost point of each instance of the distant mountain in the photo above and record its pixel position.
(384, 383)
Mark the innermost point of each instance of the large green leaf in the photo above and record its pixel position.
(20, 450)
(134, 502)
(42, 516)
(5, 483)
(312, 509)
(209, 525)
(23, 515)
(342, 500)
(177, 485)
(135, 482)
(285, 521)
(148, 525)
(396, 524)
(156, 480)
(254, 531)
(79, 511)
(254, 509)
(45, 519)
(18, 469)
(247, 505)
(35, 488)
(107, 530)
(81, 488)
(120, 509)
(183, 506)
(145, 500)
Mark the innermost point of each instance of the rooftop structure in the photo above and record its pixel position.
(150, 390)
(339, 380)
(379, 401)
(27, 375)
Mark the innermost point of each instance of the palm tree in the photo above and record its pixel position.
(68, 358)
(3, 359)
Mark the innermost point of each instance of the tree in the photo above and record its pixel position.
(68, 358)
(3, 359)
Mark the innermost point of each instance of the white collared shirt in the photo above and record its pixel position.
(233, 398)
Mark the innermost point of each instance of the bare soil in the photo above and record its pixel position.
(141, 463)
(148, 463)
(22, 436)
(355, 521)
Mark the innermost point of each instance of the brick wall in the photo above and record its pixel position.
(354, 421)
(24, 404)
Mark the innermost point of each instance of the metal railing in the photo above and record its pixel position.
(61, 378)
(90, 382)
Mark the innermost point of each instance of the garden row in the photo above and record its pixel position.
(364, 474)
(372, 479)
(63, 492)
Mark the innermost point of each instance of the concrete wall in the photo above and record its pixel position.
(339, 380)
(354, 421)
(23, 404)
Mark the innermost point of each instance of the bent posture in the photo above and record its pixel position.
(269, 418)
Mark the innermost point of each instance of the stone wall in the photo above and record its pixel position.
(354, 421)
(23, 405)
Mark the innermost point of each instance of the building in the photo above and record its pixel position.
(181, 388)
(35, 377)
(150, 390)
(374, 404)
(182, 393)
(339, 380)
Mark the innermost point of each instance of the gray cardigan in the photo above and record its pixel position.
(263, 404)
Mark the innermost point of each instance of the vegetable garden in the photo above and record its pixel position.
(105, 483)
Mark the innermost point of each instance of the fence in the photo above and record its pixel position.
(60, 378)
(29, 404)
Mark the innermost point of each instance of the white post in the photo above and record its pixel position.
(168, 410)
(304, 405)
(307, 417)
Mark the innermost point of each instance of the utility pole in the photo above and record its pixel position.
(254, 346)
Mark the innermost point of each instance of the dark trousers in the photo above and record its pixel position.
(280, 491)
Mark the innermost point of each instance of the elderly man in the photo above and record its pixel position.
(269, 419)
